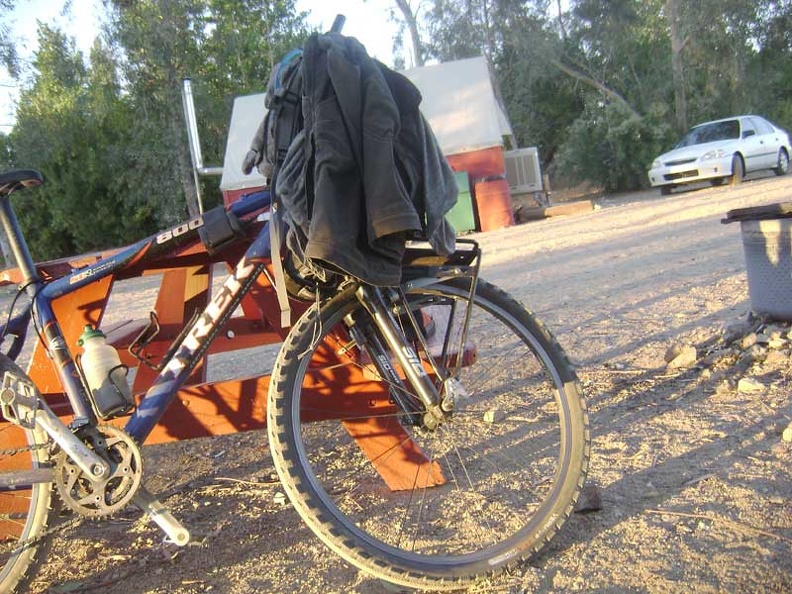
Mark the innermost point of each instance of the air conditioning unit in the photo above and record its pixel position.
(522, 170)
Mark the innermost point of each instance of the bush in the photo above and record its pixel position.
(613, 146)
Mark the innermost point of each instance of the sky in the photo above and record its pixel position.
(368, 21)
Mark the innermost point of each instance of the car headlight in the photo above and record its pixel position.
(714, 154)
(656, 163)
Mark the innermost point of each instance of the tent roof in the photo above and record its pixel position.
(460, 103)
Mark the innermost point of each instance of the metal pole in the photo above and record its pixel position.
(194, 141)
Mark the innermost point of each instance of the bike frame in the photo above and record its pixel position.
(189, 348)
(23, 405)
(192, 344)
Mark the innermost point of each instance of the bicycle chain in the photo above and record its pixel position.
(73, 522)
(20, 449)
(21, 545)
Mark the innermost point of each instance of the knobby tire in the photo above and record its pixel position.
(512, 459)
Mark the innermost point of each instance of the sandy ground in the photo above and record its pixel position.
(689, 463)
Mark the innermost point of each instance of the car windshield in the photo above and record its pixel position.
(727, 130)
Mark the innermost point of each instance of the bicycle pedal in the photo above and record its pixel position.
(18, 401)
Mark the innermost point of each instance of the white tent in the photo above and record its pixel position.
(459, 101)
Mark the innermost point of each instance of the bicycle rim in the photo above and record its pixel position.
(24, 511)
(431, 508)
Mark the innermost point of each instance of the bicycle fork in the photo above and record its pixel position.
(435, 406)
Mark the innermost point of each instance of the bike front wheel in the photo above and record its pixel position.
(431, 509)
(25, 508)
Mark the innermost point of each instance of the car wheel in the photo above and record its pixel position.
(717, 181)
(738, 170)
(783, 163)
(665, 190)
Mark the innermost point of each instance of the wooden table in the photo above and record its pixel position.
(204, 408)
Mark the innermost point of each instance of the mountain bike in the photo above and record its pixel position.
(429, 433)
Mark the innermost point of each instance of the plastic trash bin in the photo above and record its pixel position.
(767, 243)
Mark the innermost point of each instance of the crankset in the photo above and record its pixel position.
(95, 496)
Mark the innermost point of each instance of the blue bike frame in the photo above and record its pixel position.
(193, 343)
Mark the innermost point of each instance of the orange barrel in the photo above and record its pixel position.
(493, 204)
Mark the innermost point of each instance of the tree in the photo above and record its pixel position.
(109, 133)
(245, 41)
(8, 55)
(70, 125)
(463, 29)
(672, 10)
(771, 66)
(600, 86)
(410, 16)
(520, 41)
(160, 40)
(227, 46)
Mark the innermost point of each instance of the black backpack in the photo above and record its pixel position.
(277, 132)
(283, 120)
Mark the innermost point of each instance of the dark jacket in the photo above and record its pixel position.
(375, 174)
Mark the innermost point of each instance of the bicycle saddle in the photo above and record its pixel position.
(17, 179)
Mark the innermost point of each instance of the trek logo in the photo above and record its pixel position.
(166, 236)
(208, 321)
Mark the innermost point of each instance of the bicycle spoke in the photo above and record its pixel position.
(459, 497)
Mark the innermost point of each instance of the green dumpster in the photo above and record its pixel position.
(462, 216)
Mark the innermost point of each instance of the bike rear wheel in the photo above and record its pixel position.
(487, 488)
(25, 510)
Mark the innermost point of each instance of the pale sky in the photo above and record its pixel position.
(368, 21)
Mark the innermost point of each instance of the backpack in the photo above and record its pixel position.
(278, 131)
(283, 120)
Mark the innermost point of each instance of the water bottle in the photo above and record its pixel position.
(104, 374)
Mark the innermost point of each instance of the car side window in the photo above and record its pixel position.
(762, 127)
(748, 128)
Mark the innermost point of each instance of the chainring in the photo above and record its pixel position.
(92, 497)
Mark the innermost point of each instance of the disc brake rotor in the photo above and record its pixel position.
(96, 497)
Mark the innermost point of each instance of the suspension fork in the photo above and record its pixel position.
(377, 305)
(362, 330)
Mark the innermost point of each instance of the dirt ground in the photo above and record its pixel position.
(689, 400)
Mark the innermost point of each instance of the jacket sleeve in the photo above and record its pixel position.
(440, 192)
(389, 205)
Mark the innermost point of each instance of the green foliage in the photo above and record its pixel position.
(67, 126)
(542, 101)
(244, 40)
(228, 48)
(8, 54)
(108, 133)
(592, 87)
(612, 146)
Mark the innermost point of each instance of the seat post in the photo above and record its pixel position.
(16, 241)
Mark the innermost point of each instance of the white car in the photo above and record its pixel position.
(720, 150)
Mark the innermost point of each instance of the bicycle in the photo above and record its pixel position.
(430, 433)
